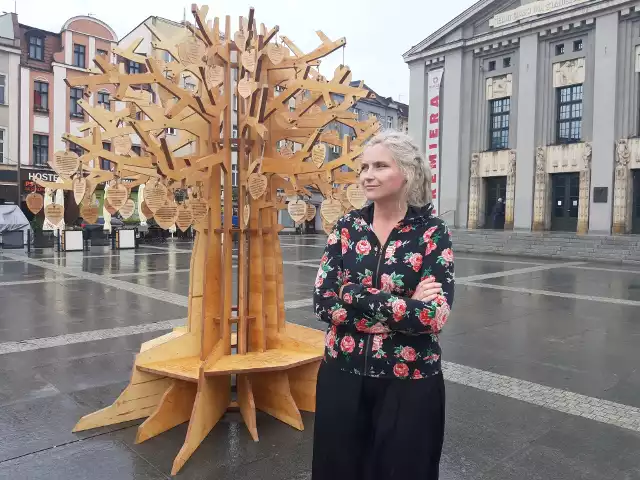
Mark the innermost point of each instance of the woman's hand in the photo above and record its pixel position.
(427, 290)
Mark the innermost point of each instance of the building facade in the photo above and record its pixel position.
(539, 105)
(48, 107)
(9, 107)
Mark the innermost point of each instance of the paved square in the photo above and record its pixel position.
(541, 366)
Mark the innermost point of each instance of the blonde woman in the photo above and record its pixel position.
(385, 287)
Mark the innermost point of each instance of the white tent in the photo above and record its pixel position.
(12, 219)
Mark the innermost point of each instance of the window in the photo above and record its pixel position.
(166, 56)
(133, 67)
(234, 174)
(104, 163)
(506, 62)
(560, 49)
(234, 132)
(357, 112)
(389, 122)
(40, 149)
(40, 96)
(2, 131)
(79, 56)
(577, 46)
(569, 114)
(36, 48)
(189, 84)
(137, 150)
(234, 102)
(102, 52)
(3, 88)
(492, 65)
(171, 131)
(103, 100)
(76, 149)
(499, 123)
(75, 110)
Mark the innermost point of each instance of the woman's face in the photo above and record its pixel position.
(380, 176)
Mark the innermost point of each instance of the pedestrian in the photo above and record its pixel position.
(385, 287)
(497, 215)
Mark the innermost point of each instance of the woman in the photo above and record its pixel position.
(385, 286)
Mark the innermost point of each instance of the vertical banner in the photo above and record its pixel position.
(433, 133)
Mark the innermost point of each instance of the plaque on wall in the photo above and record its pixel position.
(600, 194)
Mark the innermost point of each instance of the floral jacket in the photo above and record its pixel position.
(376, 329)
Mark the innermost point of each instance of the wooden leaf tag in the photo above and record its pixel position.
(127, 209)
(214, 75)
(89, 213)
(65, 162)
(199, 209)
(318, 154)
(79, 185)
(117, 196)
(165, 216)
(246, 87)
(297, 210)
(246, 214)
(191, 51)
(286, 151)
(257, 185)
(327, 227)
(241, 40)
(109, 208)
(275, 53)
(249, 60)
(122, 145)
(356, 196)
(35, 202)
(310, 214)
(331, 210)
(54, 213)
(184, 218)
(145, 210)
(155, 195)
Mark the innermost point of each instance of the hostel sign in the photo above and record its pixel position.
(532, 9)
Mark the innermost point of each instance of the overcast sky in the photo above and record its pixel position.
(378, 32)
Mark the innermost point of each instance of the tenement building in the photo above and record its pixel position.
(537, 103)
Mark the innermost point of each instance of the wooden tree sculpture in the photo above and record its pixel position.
(186, 375)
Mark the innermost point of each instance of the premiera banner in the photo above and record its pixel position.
(433, 133)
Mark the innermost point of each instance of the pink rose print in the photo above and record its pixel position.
(377, 343)
(416, 261)
(379, 328)
(324, 259)
(406, 229)
(361, 326)
(347, 298)
(431, 278)
(440, 300)
(447, 255)
(330, 339)
(391, 249)
(338, 316)
(401, 370)
(399, 308)
(432, 358)
(440, 318)
(319, 281)
(417, 375)
(329, 294)
(363, 247)
(387, 283)
(333, 238)
(408, 354)
(373, 291)
(347, 344)
(424, 317)
(428, 233)
(431, 246)
(367, 281)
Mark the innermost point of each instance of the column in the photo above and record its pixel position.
(540, 203)
(511, 191)
(26, 114)
(604, 100)
(474, 191)
(585, 188)
(418, 103)
(450, 137)
(621, 187)
(526, 135)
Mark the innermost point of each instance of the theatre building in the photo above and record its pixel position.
(538, 103)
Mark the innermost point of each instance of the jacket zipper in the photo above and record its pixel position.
(376, 285)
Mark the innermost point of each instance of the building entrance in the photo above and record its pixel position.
(565, 197)
(495, 188)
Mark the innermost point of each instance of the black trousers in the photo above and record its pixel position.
(368, 428)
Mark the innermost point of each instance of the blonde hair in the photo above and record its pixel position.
(405, 152)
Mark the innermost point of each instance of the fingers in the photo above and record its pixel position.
(428, 286)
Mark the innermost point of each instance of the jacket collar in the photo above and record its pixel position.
(414, 215)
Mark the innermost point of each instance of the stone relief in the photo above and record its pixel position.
(570, 72)
(475, 165)
(499, 87)
(621, 187)
(540, 190)
(623, 153)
